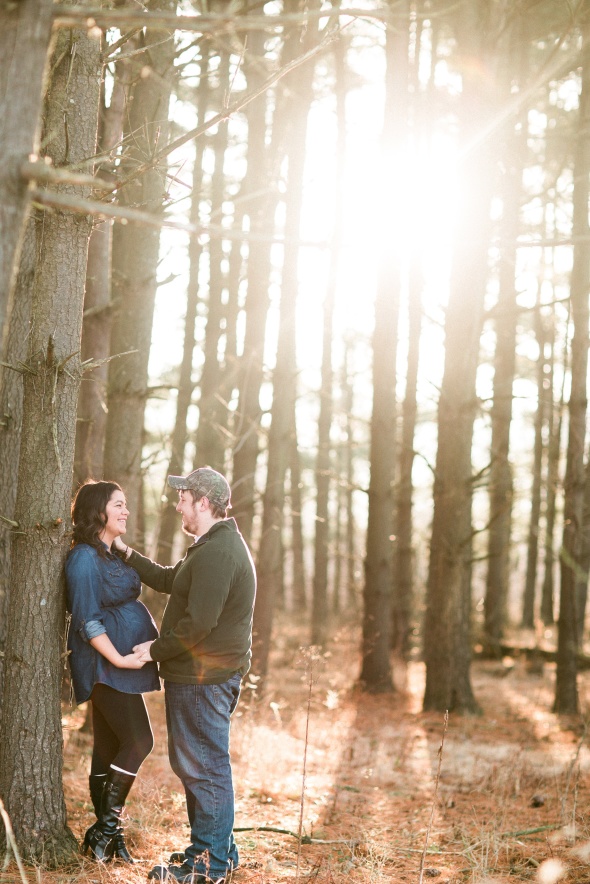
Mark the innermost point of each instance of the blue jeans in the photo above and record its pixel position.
(198, 719)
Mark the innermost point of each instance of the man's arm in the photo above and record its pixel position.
(210, 585)
(159, 577)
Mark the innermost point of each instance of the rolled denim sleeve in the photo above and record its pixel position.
(84, 582)
(91, 629)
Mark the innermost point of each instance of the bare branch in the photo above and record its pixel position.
(237, 105)
(109, 54)
(107, 210)
(22, 368)
(37, 170)
(79, 17)
(69, 203)
(91, 364)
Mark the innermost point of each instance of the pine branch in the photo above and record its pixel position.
(91, 364)
(237, 105)
(38, 170)
(107, 210)
(79, 17)
(122, 214)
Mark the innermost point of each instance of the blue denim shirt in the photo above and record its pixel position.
(103, 597)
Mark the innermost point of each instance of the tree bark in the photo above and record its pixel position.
(320, 615)
(98, 317)
(377, 596)
(261, 208)
(528, 609)
(350, 601)
(404, 548)
(31, 735)
(211, 432)
(566, 689)
(555, 422)
(11, 413)
(556, 412)
(582, 573)
(269, 564)
(135, 263)
(25, 32)
(501, 485)
(447, 625)
(296, 504)
(176, 465)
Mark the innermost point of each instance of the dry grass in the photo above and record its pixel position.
(369, 788)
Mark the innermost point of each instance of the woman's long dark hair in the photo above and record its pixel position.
(89, 513)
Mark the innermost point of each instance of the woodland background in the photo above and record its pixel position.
(340, 254)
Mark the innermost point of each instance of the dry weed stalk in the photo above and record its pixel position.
(436, 782)
(11, 844)
(570, 772)
(311, 655)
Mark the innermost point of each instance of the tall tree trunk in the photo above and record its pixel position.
(211, 438)
(501, 485)
(566, 689)
(169, 517)
(320, 610)
(404, 551)
(11, 413)
(376, 665)
(261, 208)
(269, 563)
(31, 735)
(447, 626)
(98, 318)
(25, 32)
(403, 577)
(350, 601)
(554, 422)
(299, 575)
(582, 572)
(528, 610)
(135, 263)
(269, 559)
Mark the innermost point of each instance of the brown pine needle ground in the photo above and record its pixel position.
(513, 790)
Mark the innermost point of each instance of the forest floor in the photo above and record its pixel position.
(506, 800)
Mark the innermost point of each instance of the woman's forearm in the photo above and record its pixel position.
(104, 646)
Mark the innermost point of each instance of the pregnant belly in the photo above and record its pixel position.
(129, 625)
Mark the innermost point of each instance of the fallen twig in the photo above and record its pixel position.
(305, 839)
(531, 831)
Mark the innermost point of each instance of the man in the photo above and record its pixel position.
(203, 650)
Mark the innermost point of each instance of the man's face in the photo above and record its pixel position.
(190, 513)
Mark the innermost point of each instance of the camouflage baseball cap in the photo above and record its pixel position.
(206, 483)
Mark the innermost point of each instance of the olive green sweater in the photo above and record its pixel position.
(206, 634)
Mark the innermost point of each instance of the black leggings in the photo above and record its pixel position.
(122, 732)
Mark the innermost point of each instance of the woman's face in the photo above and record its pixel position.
(116, 514)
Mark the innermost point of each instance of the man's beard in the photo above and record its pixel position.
(186, 530)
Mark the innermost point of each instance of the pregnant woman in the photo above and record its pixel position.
(107, 621)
